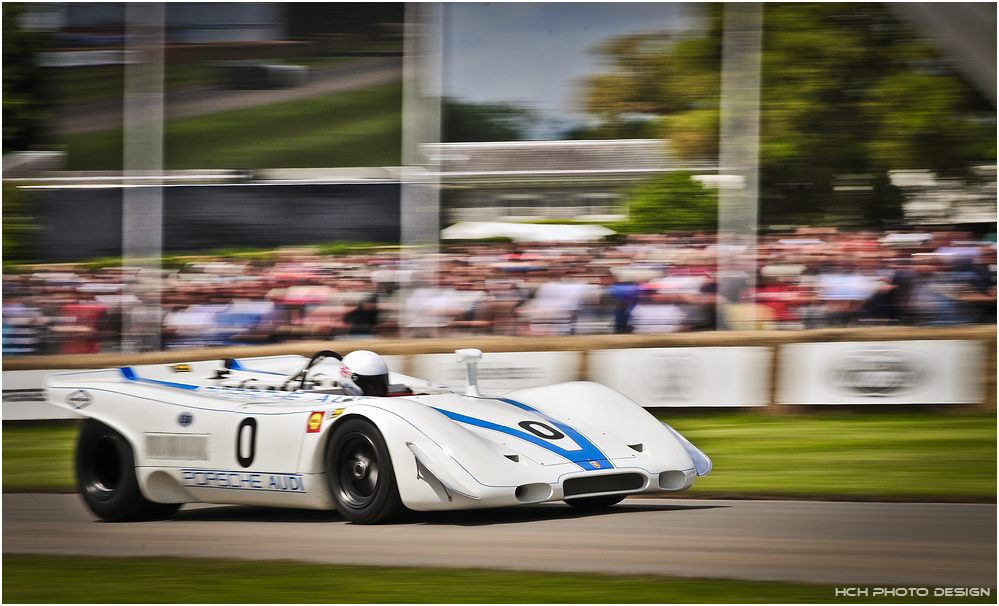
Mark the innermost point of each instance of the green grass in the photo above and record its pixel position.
(917, 456)
(89, 83)
(898, 456)
(355, 248)
(69, 579)
(85, 84)
(39, 457)
(356, 128)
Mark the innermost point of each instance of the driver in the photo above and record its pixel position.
(364, 372)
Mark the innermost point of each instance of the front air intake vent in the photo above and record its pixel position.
(591, 485)
(533, 493)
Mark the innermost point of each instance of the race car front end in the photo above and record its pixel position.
(468, 452)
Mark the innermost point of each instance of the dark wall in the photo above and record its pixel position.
(82, 224)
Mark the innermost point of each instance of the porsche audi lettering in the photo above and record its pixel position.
(242, 481)
(333, 432)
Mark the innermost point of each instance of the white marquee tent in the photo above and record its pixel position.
(525, 232)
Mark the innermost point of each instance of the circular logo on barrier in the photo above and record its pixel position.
(878, 372)
(674, 378)
(79, 399)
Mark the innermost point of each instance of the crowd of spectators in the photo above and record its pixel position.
(813, 278)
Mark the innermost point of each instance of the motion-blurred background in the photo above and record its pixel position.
(198, 174)
(771, 224)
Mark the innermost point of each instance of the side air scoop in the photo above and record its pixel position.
(430, 466)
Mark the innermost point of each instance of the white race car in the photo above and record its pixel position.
(285, 431)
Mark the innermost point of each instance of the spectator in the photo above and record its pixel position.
(657, 313)
(624, 296)
(809, 279)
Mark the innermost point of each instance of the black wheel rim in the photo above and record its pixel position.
(357, 470)
(101, 468)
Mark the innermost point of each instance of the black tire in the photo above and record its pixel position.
(360, 473)
(596, 502)
(105, 474)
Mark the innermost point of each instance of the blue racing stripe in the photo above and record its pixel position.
(587, 456)
(129, 373)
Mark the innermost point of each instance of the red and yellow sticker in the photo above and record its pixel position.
(315, 422)
(316, 419)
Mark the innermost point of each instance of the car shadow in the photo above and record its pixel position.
(541, 512)
(253, 513)
(472, 517)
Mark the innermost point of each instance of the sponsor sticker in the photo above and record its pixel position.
(502, 375)
(181, 368)
(674, 378)
(79, 399)
(315, 422)
(241, 480)
(257, 395)
(332, 414)
(878, 372)
(185, 419)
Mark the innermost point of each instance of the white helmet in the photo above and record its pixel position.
(364, 372)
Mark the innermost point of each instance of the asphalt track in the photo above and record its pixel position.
(840, 543)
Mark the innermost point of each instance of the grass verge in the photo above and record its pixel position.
(917, 456)
(67, 579)
(90, 83)
(38, 458)
(355, 128)
(913, 455)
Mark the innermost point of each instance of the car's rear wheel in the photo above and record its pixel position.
(360, 473)
(596, 502)
(105, 474)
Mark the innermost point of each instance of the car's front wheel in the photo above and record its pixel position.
(360, 473)
(105, 474)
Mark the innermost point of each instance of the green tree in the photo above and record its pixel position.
(19, 230)
(846, 90)
(670, 202)
(26, 99)
(673, 77)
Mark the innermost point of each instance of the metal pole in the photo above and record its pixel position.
(739, 156)
(142, 191)
(420, 184)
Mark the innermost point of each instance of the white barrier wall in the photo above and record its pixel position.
(686, 376)
(395, 363)
(889, 372)
(498, 372)
(24, 398)
(884, 372)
